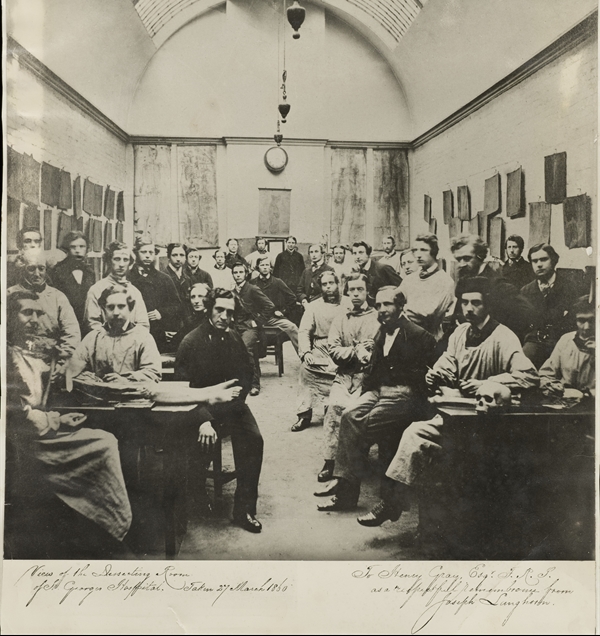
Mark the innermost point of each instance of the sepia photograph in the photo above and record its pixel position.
(299, 301)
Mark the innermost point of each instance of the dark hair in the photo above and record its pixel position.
(364, 244)
(515, 238)
(432, 241)
(339, 246)
(21, 233)
(241, 264)
(474, 284)
(12, 307)
(191, 249)
(583, 306)
(547, 248)
(141, 241)
(356, 276)
(259, 238)
(231, 239)
(216, 293)
(74, 235)
(330, 272)
(392, 239)
(172, 246)
(219, 249)
(399, 297)
(115, 246)
(292, 237)
(260, 259)
(115, 289)
(479, 245)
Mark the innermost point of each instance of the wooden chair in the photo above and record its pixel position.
(275, 338)
(219, 476)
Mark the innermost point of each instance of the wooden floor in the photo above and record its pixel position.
(292, 527)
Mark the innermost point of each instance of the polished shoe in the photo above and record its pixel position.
(248, 522)
(301, 424)
(326, 473)
(254, 391)
(380, 513)
(328, 490)
(338, 504)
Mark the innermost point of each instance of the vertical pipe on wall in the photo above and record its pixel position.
(369, 210)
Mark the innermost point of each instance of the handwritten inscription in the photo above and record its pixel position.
(440, 589)
(79, 584)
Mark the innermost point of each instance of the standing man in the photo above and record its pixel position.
(214, 353)
(350, 341)
(377, 274)
(176, 253)
(260, 251)
(220, 273)
(429, 292)
(289, 264)
(393, 396)
(58, 328)
(73, 276)
(391, 256)
(233, 256)
(308, 287)
(253, 311)
(119, 260)
(28, 238)
(408, 263)
(480, 349)
(193, 270)
(164, 308)
(551, 295)
(342, 263)
(516, 270)
(318, 369)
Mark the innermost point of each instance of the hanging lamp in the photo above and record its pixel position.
(295, 16)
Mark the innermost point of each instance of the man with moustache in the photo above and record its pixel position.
(164, 308)
(391, 257)
(393, 396)
(119, 260)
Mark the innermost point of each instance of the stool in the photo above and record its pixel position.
(218, 475)
(275, 338)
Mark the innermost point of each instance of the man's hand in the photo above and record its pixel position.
(305, 303)
(154, 315)
(225, 392)
(72, 419)
(555, 389)
(362, 353)
(207, 436)
(432, 378)
(308, 358)
(113, 377)
(469, 387)
(278, 313)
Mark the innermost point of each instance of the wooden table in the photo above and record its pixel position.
(513, 485)
(168, 430)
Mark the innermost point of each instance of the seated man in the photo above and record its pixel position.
(81, 466)
(165, 311)
(58, 323)
(350, 341)
(318, 369)
(480, 349)
(121, 350)
(393, 396)
(193, 270)
(119, 260)
(73, 276)
(408, 263)
(281, 296)
(214, 353)
(572, 363)
(253, 310)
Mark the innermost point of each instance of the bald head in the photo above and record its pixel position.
(34, 267)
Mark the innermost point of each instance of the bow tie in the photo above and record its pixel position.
(545, 288)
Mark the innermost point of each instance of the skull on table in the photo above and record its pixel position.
(492, 397)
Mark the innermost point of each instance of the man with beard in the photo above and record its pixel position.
(80, 466)
(378, 274)
(220, 273)
(192, 268)
(120, 350)
(58, 324)
(429, 292)
(214, 353)
(480, 349)
(308, 287)
(516, 270)
(73, 276)
(393, 397)
(260, 251)
(119, 260)
(164, 308)
(572, 364)
(350, 341)
(506, 305)
(391, 256)
(289, 264)
(318, 369)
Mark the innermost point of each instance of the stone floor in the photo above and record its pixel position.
(292, 527)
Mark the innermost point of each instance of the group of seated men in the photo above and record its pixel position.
(372, 345)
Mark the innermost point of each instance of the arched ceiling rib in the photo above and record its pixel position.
(393, 16)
